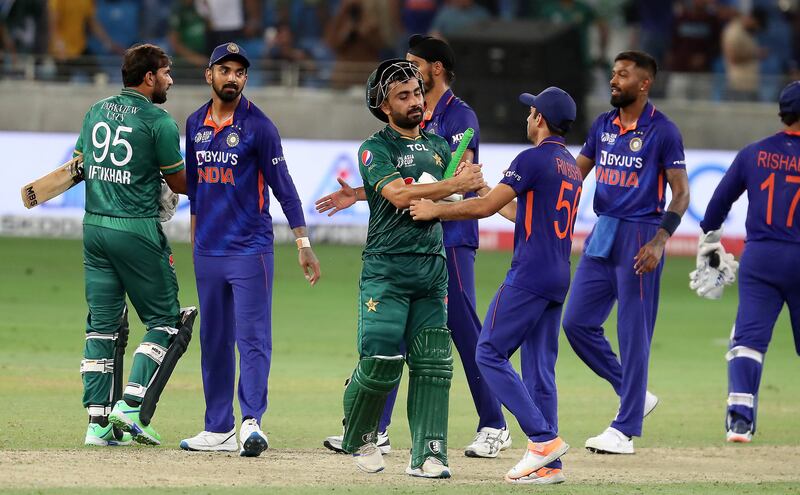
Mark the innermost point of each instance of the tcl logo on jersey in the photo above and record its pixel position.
(417, 147)
(218, 157)
(614, 160)
(366, 158)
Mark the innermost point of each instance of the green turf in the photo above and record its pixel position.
(42, 314)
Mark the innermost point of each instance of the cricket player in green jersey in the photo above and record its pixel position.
(128, 144)
(402, 313)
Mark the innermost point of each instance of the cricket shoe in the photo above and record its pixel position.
(489, 442)
(650, 403)
(740, 431)
(369, 459)
(103, 436)
(611, 441)
(126, 418)
(543, 476)
(538, 455)
(431, 468)
(254, 441)
(209, 441)
(334, 443)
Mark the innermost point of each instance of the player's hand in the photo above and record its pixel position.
(648, 257)
(470, 179)
(310, 264)
(464, 164)
(337, 201)
(422, 209)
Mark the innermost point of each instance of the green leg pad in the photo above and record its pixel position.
(97, 369)
(365, 396)
(143, 367)
(430, 371)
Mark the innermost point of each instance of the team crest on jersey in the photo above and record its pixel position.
(635, 144)
(608, 137)
(366, 158)
(202, 137)
(232, 139)
(233, 48)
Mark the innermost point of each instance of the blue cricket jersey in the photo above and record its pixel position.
(548, 184)
(450, 119)
(769, 170)
(228, 171)
(630, 164)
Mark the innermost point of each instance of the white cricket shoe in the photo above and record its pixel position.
(209, 441)
(611, 441)
(537, 456)
(254, 441)
(488, 443)
(431, 468)
(334, 443)
(650, 403)
(543, 476)
(369, 459)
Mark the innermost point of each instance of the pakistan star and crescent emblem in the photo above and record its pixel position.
(437, 159)
(372, 305)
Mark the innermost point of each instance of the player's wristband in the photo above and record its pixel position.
(302, 242)
(670, 222)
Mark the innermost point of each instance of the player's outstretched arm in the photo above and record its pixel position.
(650, 254)
(400, 194)
(305, 257)
(340, 200)
(497, 199)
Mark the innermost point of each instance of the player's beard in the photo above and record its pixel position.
(407, 121)
(622, 100)
(427, 81)
(224, 91)
(160, 94)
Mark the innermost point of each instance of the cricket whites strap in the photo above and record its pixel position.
(302, 242)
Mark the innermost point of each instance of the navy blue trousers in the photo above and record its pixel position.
(235, 294)
(597, 285)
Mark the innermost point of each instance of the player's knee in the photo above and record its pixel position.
(430, 353)
(378, 373)
(744, 352)
(486, 355)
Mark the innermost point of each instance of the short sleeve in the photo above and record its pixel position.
(168, 145)
(520, 176)
(376, 166)
(461, 120)
(589, 149)
(672, 155)
(79, 143)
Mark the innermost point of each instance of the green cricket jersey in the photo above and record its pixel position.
(387, 156)
(127, 143)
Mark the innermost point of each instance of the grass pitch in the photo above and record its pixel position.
(42, 314)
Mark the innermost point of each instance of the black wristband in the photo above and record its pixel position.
(670, 222)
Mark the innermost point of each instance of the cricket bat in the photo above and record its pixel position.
(53, 184)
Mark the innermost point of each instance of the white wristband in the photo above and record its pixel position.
(302, 242)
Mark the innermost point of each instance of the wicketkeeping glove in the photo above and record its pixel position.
(167, 203)
(715, 268)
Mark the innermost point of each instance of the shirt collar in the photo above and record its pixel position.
(644, 119)
(134, 93)
(396, 135)
(554, 139)
(237, 116)
(441, 105)
(792, 133)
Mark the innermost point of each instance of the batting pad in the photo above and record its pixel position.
(365, 396)
(430, 370)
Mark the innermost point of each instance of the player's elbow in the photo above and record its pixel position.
(400, 199)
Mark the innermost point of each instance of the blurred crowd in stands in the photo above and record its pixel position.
(717, 49)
